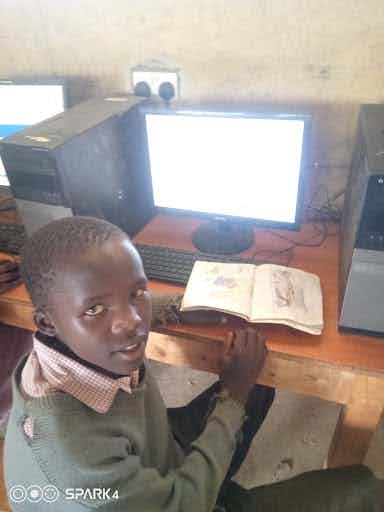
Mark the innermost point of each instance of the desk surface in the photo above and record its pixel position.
(354, 351)
(344, 349)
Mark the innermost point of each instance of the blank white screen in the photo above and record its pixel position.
(246, 167)
(23, 105)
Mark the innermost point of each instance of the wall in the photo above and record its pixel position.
(321, 56)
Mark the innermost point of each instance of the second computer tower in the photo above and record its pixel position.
(361, 275)
(86, 161)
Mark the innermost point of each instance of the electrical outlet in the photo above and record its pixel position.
(154, 78)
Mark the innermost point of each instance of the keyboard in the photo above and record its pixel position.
(174, 265)
(12, 237)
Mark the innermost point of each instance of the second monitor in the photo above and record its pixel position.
(236, 168)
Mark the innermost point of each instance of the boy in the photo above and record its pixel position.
(88, 428)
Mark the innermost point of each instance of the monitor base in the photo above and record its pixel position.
(223, 237)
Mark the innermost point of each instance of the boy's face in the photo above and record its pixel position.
(101, 307)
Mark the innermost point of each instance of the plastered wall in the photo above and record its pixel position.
(320, 56)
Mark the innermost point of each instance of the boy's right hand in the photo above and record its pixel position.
(243, 359)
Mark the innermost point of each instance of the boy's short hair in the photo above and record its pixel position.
(53, 244)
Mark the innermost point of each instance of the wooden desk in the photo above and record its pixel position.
(343, 368)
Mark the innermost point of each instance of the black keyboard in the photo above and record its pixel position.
(12, 237)
(175, 266)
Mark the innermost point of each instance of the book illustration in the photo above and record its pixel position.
(285, 293)
(228, 285)
(218, 277)
(226, 282)
(219, 283)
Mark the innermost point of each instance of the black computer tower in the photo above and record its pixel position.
(361, 276)
(88, 160)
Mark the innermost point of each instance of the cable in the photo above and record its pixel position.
(328, 210)
(321, 233)
(321, 216)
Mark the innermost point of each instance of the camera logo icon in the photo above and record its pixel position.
(33, 494)
(17, 493)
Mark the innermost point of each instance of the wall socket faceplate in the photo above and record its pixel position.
(154, 78)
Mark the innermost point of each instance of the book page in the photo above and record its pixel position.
(310, 329)
(282, 293)
(222, 286)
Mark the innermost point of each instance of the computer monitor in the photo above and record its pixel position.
(24, 103)
(238, 168)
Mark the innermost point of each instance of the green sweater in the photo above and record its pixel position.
(127, 452)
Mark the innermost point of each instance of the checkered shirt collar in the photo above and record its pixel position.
(47, 370)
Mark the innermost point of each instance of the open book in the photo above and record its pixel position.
(258, 293)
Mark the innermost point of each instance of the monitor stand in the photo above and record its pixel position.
(223, 236)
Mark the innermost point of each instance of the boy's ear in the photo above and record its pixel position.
(44, 323)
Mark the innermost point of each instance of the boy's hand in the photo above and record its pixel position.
(243, 359)
(9, 275)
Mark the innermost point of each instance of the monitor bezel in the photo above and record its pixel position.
(232, 111)
(41, 81)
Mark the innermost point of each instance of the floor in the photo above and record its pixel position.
(294, 438)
